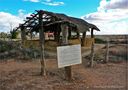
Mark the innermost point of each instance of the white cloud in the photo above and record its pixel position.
(113, 28)
(102, 5)
(48, 2)
(8, 21)
(113, 4)
(22, 15)
(53, 3)
(117, 4)
(108, 16)
(35, 0)
(32, 0)
(111, 17)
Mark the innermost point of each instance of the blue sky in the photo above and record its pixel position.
(75, 8)
(110, 16)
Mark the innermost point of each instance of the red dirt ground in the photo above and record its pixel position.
(17, 75)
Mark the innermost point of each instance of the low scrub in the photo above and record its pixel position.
(100, 41)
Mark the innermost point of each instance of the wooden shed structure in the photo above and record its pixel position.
(49, 21)
(44, 21)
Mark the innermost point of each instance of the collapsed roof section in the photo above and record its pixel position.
(53, 20)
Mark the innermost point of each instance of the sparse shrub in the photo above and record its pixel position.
(8, 49)
(5, 46)
(100, 41)
(29, 53)
(120, 54)
(98, 56)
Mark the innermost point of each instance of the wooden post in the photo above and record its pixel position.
(78, 35)
(58, 38)
(23, 35)
(92, 34)
(83, 39)
(64, 29)
(126, 37)
(31, 35)
(69, 33)
(92, 50)
(107, 52)
(92, 55)
(68, 70)
(42, 39)
(57, 34)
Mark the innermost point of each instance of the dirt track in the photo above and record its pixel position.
(25, 76)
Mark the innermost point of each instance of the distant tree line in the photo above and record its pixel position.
(11, 35)
(112, 41)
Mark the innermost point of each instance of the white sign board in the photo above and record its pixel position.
(68, 55)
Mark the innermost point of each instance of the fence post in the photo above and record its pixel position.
(92, 49)
(92, 55)
(107, 52)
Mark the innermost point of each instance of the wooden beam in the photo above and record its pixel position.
(26, 21)
(48, 13)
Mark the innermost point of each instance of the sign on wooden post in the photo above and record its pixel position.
(68, 55)
(68, 69)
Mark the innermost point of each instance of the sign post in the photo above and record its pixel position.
(66, 54)
(68, 70)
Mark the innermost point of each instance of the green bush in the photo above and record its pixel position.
(14, 34)
(97, 40)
